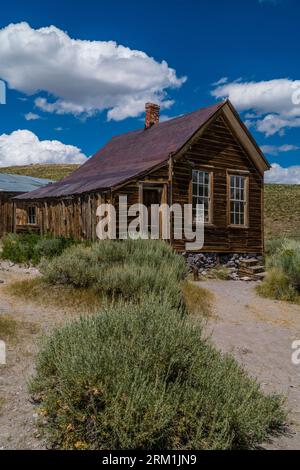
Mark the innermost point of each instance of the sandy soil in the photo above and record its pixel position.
(18, 428)
(259, 333)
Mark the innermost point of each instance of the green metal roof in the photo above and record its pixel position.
(20, 184)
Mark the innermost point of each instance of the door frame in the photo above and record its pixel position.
(144, 185)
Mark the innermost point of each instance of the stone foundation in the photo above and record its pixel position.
(203, 263)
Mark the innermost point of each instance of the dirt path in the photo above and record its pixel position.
(259, 333)
(18, 418)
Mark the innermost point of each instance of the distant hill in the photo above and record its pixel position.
(282, 210)
(50, 171)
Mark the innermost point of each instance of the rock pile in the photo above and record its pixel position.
(204, 262)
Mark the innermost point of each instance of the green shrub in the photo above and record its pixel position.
(273, 245)
(220, 272)
(141, 376)
(19, 248)
(50, 247)
(73, 267)
(31, 247)
(283, 264)
(118, 269)
(277, 286)
(287, 260)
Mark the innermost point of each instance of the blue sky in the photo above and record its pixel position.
(70, 90)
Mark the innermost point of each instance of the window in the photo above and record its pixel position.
(31, 215)
(201, 192)
(238, 199)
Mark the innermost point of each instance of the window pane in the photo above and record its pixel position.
(237, 200)
(201, 191)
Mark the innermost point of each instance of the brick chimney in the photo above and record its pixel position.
(152, 114)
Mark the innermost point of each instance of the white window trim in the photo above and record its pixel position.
(245, 201)
(210, 193)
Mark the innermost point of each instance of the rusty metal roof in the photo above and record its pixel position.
(128, 155)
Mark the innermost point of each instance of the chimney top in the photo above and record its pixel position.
(152, 114)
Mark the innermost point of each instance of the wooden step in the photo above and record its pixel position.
(260, 276)
(248, 262)
(251, 270)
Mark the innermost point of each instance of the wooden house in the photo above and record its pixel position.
(207, 156)
(11, 186)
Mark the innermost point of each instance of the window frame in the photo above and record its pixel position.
(29, 216)
(211, 192)
(245, 176)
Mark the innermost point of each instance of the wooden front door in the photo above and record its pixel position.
(153, 195)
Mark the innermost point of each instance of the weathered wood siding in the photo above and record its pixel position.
(6, 213)
(218, 151)
(73, 217)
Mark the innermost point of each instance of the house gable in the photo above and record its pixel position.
(219, 151)
(238, 131)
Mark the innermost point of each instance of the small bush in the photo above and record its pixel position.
(51, 247)
(220, 272)
(273, 245)
(31, 247)
(283, 264)
(141, 376)
(198, 300)
(277, 286)
(19, 248)
(74, 267)
(126, 269)
(286, 259)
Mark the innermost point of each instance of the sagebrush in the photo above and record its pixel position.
(141, 376)
(126, 270)
(283, 263)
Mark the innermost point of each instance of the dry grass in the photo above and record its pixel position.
(2, 401)
(277, 286)
(49, 171)
(11, 329)
(198, 300)
(8, 327)
(220, 272)
(37, 290)
(282, 211)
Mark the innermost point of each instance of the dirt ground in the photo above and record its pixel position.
(259, 333)
(18, 416)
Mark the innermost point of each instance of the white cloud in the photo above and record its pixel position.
(82, 77)
(31, 117)
(23, 147)
(276, 103)
(277, 149)
(272, 2)
(279, 174)
(221, 81)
